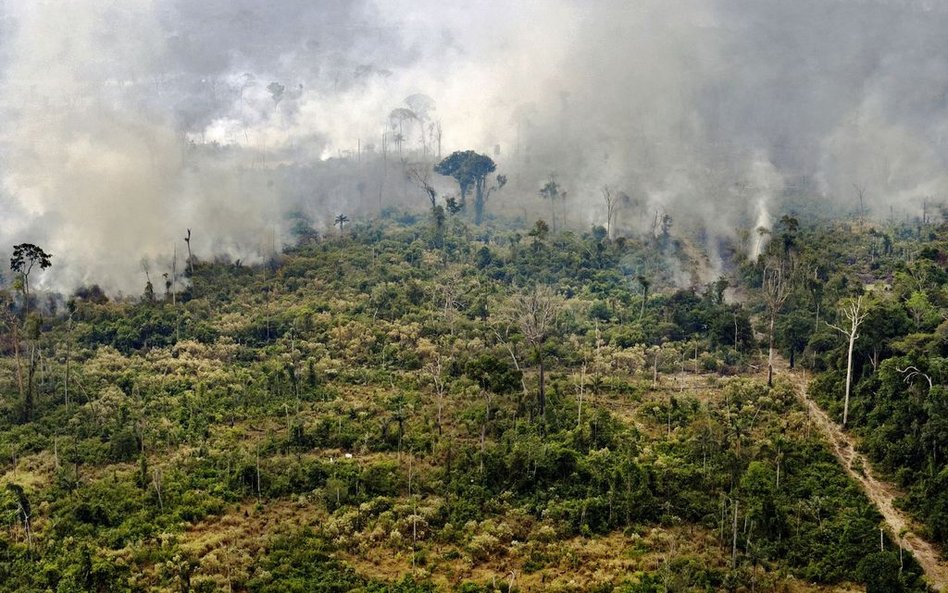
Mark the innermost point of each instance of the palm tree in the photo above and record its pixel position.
(341, 220)
(552, 191)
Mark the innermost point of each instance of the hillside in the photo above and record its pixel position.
(388, 410)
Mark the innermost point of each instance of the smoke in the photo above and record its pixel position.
(764, 182)
(124, 125)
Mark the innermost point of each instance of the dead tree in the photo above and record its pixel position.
(535, 312)
(580, 391)
(614, 201)
(855, 313)
(174, 274)
(911, 372)
(435, 370)
(552, 191)
(776, 292)
(645, 283)
(861, 196)
(507, 343)
(611, 197)
(187, 240)
(23, 511)
(420, 175)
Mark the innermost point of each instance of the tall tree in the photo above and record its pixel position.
(341, 221)
(469, 169)
(613, 200)
(645, 283)
(788, 232)
(861, 198)
(855, 313)
(777, 277)
(27, 256)
(187, 240)
(552, 191)
(536, 312)
(398, 118)
(422, 106)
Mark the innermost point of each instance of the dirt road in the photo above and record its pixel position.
(882, 494)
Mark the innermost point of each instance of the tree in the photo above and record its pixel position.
(886, 321)
(149, 295)
(435, 371)
(539, 231)
(789, 227)
(776, 291)
(341, 220)
(421, 106)
(25, 257)
(880, 571)
(861, 198)
(187, 240)
(469, 168)
(535, 312)
(24, 511)
(552, 191)
(420, 176)
(855, 313)
(436, 133)
(8, 319)
(645, 283)
(397, 119)
(613, 200)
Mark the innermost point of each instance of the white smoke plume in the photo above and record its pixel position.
(764, 183)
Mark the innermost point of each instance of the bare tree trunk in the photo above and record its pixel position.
(190, 257)
(19, 361)
(734, 539)
(156, 482)
(849, 376)
(655, 370)
(483, 434)
(174, 275)
(513, 356)
(30, 374)
(644, 301)
(258, 476)
(440, 408)
(770, 355)
(735, 333)
(542, 386)
(855, 313)
(68, 357)
(582, 387)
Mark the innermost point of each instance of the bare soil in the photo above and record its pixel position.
(882, 494)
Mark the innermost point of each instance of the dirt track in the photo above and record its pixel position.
(882, 494)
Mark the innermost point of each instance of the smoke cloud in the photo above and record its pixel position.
(125, 124)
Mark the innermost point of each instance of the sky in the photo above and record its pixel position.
(126, 123)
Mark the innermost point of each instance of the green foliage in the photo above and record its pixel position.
(369, 392)
(880, 571)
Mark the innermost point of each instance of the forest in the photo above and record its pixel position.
(365, 296)
(450, 399)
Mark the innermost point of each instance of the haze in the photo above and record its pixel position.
(126, 124)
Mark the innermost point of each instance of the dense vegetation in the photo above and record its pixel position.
(900, 360)
(419, 404)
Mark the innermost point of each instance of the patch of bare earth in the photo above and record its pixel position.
(882, 494)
